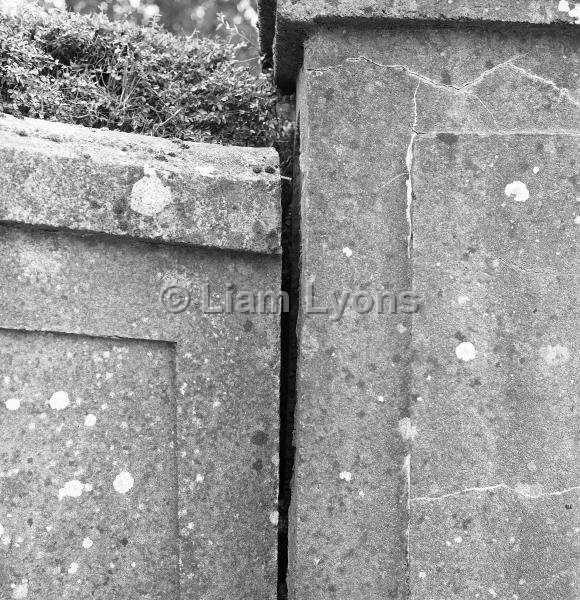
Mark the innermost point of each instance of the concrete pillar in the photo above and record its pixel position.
(138, 384)
(437, 452)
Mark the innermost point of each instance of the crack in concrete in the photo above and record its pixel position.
(416, 75)
(512, 132)
(409, 162)
(493, 488)
(393, 179)
(464, 88)
(563, 92)
(480, 78)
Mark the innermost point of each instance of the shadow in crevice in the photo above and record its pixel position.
(289, 352)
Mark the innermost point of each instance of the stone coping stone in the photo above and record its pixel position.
(283, 35)
(99, 181)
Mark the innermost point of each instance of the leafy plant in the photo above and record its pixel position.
(91, 71)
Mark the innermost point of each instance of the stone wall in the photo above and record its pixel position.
(437, 453)
(139, 438)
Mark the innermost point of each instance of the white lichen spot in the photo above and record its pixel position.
(407, 430)
(401, 328)
(20, 591)
(87, 543)
(462, 300)
(90, 420)
(518, 190)
(573, 11)
(346, 475)
(536, 170)
(149, 196)
(1, 530)
(422, 574)
(199, 478)
(466, 351)
(206, 170)
(71, 489)
(12, 404)
(380, 399)
(564, 6)
(59, 401)
(347, 252)
(123, 482)
(555, 355)
(274, 517)
(458, 539)
(73, 568)
(577, 220)
(492, 593)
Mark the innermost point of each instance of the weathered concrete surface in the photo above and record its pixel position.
(186, 402)
(349, 488)
(468, 113)
(500, 275)
(137, 186)
(67, 531)
(496, 543)
(297, 19)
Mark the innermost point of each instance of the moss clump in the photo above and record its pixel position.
(94, 72)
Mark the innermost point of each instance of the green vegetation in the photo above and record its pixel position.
(98, 73)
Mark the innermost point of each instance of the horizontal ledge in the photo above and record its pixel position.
(205, 195)
(294, 20)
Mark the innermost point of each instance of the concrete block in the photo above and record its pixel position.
(139, 443)
(419, 147)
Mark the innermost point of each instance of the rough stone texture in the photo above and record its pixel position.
(185, 402)
(128, 387)
(502, 275)
(140, 187)
(468, 112)
(296, 19)
(496, 544)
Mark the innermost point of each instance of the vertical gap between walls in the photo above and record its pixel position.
(289, 353)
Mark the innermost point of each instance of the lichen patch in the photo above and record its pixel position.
(123, 482)
(466, 351)
(345, 476)
(59, 401)
(71, 489)
(517, 190)
(555, 356)
(573, 10)
(12, 404)
(149, 196)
